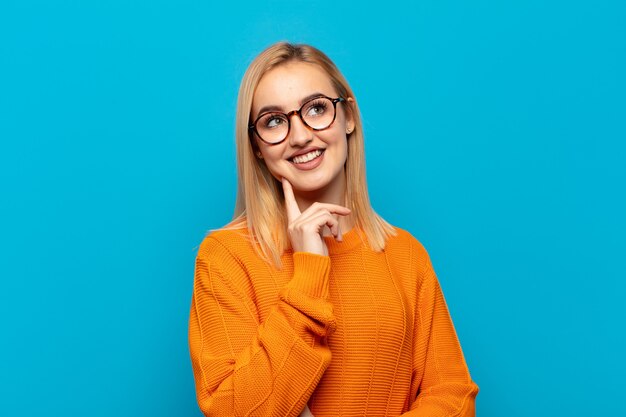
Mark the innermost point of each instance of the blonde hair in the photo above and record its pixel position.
(260, 200)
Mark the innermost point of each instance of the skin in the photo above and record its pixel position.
(306, 412)
(314, 199)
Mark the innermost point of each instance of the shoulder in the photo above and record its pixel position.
(222, 244)
(228, 257)
(406, 253)
(222, 265)
(404, 241)
(415, 262)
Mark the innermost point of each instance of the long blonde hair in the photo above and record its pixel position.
(260, 200)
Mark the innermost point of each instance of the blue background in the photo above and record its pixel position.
(494, 134)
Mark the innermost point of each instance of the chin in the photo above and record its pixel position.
(309, 183)
(308, 187)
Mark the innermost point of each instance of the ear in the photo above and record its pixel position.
(350, 123)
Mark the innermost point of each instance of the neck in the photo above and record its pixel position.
(334, 193)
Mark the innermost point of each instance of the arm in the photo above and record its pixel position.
(442, 382)
(246, 367)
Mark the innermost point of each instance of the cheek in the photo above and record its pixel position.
(338, 139)
(273, 162)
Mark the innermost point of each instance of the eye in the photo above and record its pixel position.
(273, 121)
(316, 108)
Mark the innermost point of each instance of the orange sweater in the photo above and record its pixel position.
(355, 333)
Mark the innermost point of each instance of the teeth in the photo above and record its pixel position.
(300, 159)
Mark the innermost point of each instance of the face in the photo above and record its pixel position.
(286, 88)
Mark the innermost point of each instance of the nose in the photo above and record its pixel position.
(299, 133)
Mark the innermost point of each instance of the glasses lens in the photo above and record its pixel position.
(318, 113)
(272, 127)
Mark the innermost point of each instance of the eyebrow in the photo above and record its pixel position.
(272, 108)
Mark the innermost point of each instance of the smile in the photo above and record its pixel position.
(300, 159)
(308, 161)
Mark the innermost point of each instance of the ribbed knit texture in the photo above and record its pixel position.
(355, 333)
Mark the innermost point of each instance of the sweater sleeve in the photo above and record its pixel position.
(245, 367)
(442, 383)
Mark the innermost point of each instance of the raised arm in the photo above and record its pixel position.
(442, 384)
(243, 366)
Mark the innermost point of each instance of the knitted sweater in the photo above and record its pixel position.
(355, 333)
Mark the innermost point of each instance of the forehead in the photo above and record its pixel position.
(285, 85)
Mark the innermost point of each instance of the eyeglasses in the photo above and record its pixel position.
(317, 114)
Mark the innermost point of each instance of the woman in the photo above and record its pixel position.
(309, 303)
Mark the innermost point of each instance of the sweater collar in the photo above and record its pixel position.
(351, 239)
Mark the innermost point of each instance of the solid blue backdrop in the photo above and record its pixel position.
(494, 134)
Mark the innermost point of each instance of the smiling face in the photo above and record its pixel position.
(286, 88)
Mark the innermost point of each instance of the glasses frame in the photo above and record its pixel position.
(253, 128)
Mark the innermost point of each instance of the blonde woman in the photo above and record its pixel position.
(309, 303)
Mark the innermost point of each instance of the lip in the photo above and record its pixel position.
(312, 164)
(304, 151)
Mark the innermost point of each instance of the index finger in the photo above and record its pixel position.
(293, 211)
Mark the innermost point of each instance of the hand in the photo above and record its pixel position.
(306, 412)
(305, 228)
